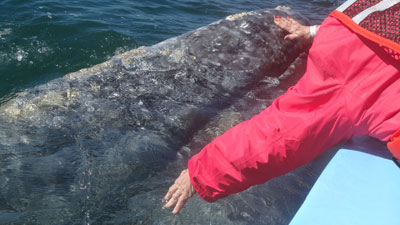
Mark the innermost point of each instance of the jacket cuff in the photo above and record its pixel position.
(198, 183)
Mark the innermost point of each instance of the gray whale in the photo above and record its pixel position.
(102, 145)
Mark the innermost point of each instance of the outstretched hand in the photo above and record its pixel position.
(294, 28)
(179, 192)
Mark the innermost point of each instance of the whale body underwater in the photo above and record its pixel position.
(102, 145)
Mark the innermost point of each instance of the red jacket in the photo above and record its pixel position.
(351, 87)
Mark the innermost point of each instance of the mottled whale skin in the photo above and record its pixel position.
(103, 144)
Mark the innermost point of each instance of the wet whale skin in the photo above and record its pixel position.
(102, 145)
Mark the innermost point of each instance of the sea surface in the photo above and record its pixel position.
(41, 40)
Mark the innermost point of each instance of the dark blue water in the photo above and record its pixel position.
(43, 39)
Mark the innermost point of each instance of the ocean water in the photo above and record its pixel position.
(46, 39)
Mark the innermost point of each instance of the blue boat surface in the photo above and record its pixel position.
(356, 187)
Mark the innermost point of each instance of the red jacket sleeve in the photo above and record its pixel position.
(272, 143)
(350, 88)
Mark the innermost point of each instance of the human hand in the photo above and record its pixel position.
(295, 29)
(179, 192)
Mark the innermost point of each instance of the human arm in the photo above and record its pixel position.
(295, 129)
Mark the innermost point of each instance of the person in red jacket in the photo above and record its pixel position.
(351, 87)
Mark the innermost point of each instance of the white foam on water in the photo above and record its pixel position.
(5, 32)
(42, 50)
(20, 55)
(34, 52)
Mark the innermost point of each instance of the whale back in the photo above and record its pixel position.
(101, 132)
